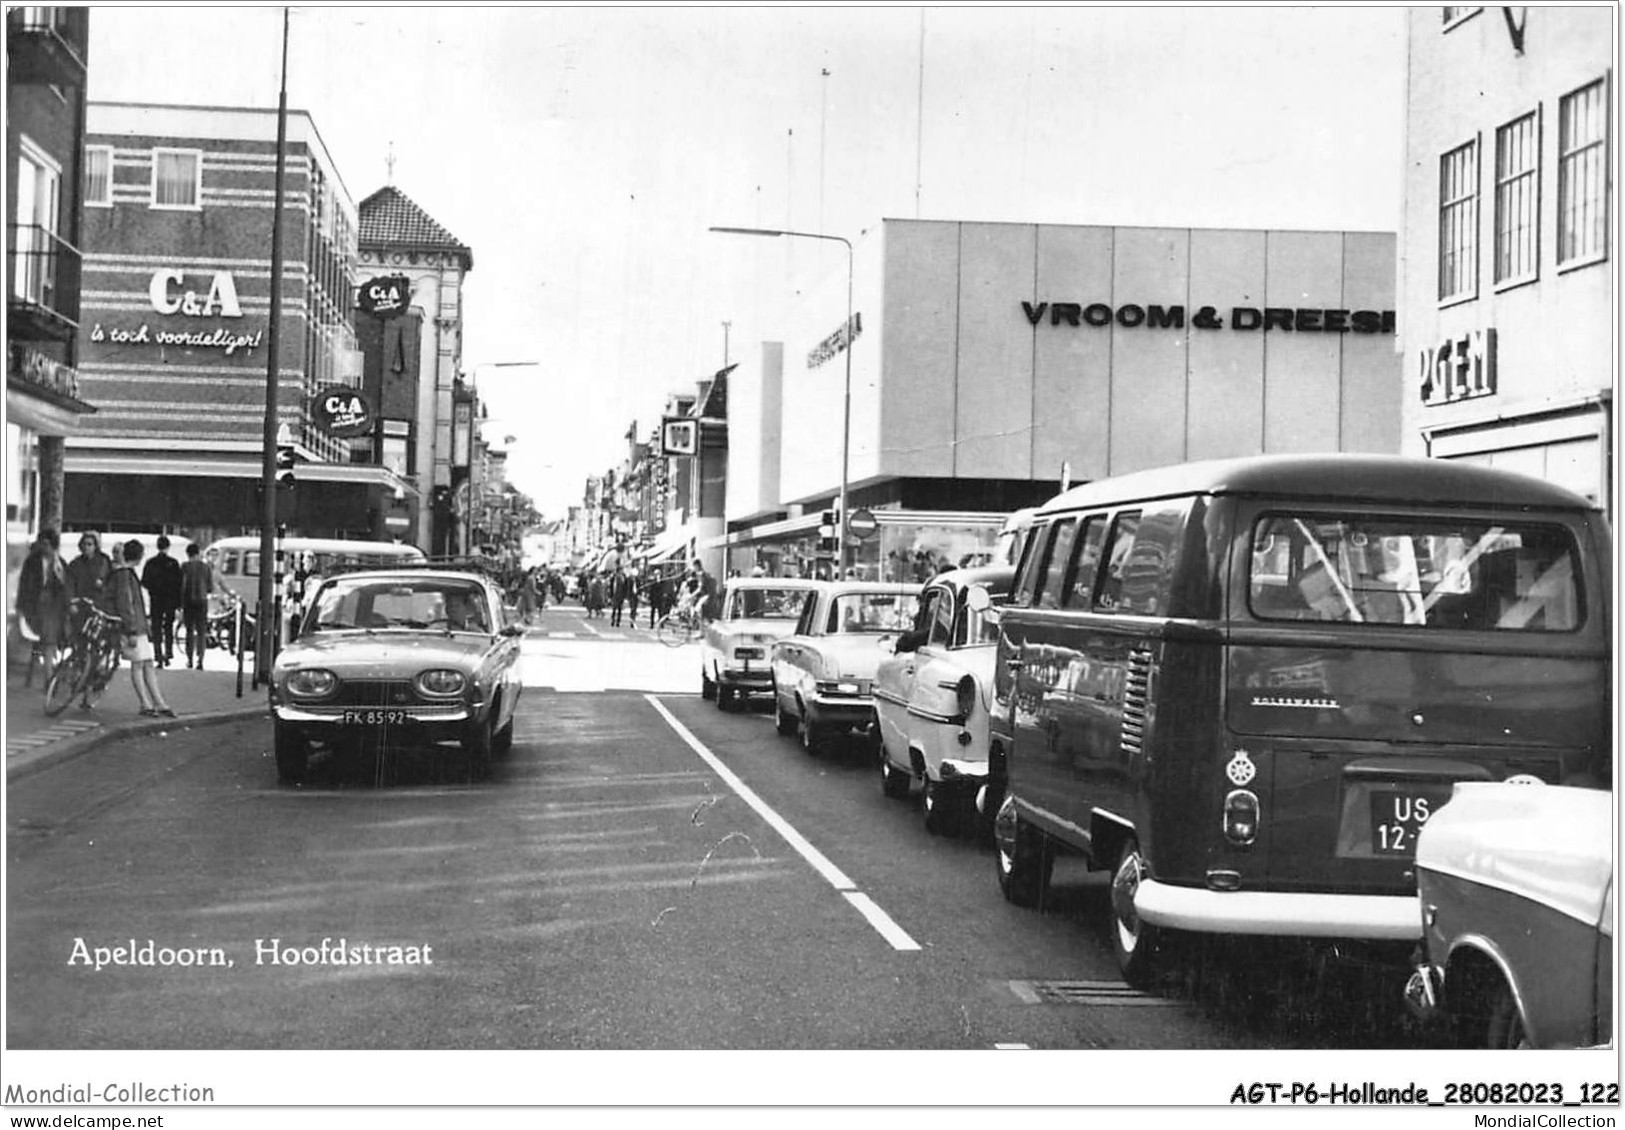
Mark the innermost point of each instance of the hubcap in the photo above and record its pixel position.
(1124, 884)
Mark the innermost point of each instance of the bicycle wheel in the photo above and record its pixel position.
(670, 631)
(63, 684)
(101, 674)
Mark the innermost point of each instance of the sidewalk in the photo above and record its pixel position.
(198, 697)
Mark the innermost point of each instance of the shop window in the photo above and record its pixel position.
(177, 178)
(1458, 223)
(98, 176)
(1582, 176)
(1517, 200)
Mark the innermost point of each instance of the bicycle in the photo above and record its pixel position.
(679, 626)
(87, 666)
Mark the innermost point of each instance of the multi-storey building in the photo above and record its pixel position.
(398, 239)
(179, 208)
(1506, 289)
(46, 53)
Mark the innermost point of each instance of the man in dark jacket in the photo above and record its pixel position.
(197, 582)
(89, 574)
(161, 577)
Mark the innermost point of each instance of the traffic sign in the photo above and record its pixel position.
(862, 525)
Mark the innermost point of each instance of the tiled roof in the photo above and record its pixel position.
(390, 218)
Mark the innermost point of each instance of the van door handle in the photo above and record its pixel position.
(1013, 664)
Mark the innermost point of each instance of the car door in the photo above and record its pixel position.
(933, 702)
(790, 654)
(894, 684)
(505, 656)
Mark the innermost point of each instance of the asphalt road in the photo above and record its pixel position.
(609, 888)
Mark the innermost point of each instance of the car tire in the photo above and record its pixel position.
(1022, 855)
(940, 806)
(783, 722)
(1503, 1026)
(502, 740)
(725, 698)
(708, 686)
(1134, 944)
(477, 747)
(809, 733)
(292, 755)
(894, 782)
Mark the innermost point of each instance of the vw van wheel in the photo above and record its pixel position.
(1023, 857)
(1134, 944)
(940, 807)
(893, 781)
(292, 753)
(784, 723)
(708, 686)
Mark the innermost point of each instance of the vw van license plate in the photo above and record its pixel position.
(1397, 818)
(375, 717)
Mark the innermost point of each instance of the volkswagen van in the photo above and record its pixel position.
(1244, 686)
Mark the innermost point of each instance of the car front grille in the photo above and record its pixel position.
(374, 692)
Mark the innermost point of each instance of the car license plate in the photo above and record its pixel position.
(374, 717)
(1397, 818)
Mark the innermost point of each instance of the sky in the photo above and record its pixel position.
(582, 152)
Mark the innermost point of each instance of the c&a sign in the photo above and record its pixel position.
(343, 412)
(385, 296)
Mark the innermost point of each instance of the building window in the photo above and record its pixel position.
(1517, 200)
(39, 197)
(1582, 176)
(1455, 15)
(98, 176)
(177, 178)
(1458, 223)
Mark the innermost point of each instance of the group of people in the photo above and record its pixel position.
(143, 603)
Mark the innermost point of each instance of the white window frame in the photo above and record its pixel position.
(197, 179)
(1522, 185)
(1466, 206)
(91, 201)
(31, 281)
(1565, 163)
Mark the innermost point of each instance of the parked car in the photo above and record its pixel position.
(823, 672)
(399, 657)
(1516, 890)
(933, 692)
(734, 653)
(1243, 685)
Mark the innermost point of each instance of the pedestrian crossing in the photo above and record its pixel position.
(56, 732)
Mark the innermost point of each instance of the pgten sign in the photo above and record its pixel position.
(386, 296)
(679, 436)
(1460, 369)
(343, 412)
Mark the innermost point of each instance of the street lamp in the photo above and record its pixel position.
(846, 408)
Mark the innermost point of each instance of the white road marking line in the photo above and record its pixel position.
(866, 906)
(588, 627)
(881, 921)
(1012, 1047)
(561, 635)
(1024, 991)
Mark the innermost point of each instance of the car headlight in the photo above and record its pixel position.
(441, 682)
(312, 682)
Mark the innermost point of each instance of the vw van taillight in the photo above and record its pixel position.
(1241, 816)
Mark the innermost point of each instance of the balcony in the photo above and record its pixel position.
(47, 45)
(44, 269)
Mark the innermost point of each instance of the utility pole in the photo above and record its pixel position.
(267, 616)
(725, 326)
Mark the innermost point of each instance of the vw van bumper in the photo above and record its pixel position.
(1278, 913)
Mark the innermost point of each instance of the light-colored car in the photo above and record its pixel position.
(1516, 890)
(933, 692)
(756, 613)
(823, 672)
(399, 657)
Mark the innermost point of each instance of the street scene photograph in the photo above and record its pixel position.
(802, 556)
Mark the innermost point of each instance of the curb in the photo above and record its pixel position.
(71, 748)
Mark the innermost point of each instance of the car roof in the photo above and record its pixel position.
(772, 583)
(996, 578)
(907, 588)
(407, 575)
(1328, 478)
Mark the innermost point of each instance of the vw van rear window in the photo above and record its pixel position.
(1414, 571)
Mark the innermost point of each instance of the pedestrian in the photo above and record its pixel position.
(632, 596)
(161, 577)
(595, 595)
(617, 596)
(89, 573)
(42, 600)
(197, 582)
(136, 646)
(527, 598)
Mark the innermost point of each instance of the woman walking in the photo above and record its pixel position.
(136, 646)
(42, 601)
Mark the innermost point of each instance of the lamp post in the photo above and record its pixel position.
(846, 405)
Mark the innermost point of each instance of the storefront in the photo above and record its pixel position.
(991, 362)
(1508, 283)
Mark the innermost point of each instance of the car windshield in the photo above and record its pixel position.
(1422, 572)
(766, 604)
(373, 604)
(872, 612)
